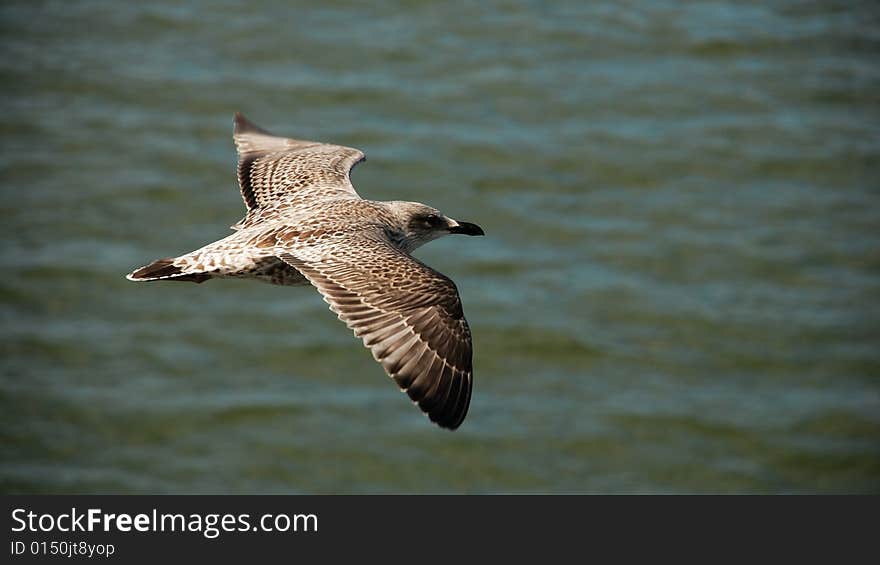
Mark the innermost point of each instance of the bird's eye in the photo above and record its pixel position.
(433, 220)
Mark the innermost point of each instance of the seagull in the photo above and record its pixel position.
(306, 224)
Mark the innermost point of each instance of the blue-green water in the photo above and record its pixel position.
(679, 291)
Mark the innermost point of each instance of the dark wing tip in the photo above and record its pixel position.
(447, 401)
(465, 404)
(244, 125)
(156, 269)
(452, 414)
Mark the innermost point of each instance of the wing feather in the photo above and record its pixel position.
(406, 313)
(279, 175)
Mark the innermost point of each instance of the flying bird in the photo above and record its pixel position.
(306, 224)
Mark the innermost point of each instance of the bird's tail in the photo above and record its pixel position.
(169, 269)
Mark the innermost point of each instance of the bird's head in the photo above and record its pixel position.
(420, 224)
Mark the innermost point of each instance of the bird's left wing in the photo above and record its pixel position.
(406, 313)
(279, 175)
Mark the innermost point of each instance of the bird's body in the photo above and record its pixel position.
(306, 225)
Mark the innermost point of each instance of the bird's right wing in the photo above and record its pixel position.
(406, 313)
(278, 175)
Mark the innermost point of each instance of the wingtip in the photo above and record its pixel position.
(239, 121)
(243, 125)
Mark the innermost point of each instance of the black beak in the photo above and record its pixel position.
(467, 228)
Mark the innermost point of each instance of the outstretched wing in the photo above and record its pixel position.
(406, 313)
(278, 175)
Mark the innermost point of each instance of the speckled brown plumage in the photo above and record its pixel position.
(306, 224)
